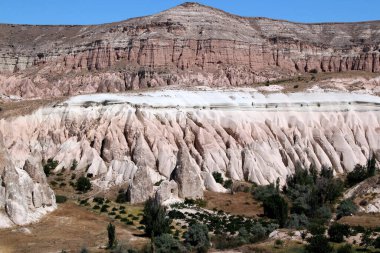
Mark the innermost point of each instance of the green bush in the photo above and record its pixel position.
(154, 218)
(337, 232)
(376, 242)
(60, 199)
(49, 166)
(276, 207)
(165, 243)
(111, 235)
(347, 248)
(74, 165)
(346, 208)
(318, 244)
(83, 184)
(121, 197)
(228, 184)
(218, 177)
(197, 238)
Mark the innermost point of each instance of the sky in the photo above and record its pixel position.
(71, 12)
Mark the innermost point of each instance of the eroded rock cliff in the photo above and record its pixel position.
(152, 138)
(190, 44)
(25, 195)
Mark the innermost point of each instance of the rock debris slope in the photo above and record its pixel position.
(190, 44)
(25, 195)
(182, 137)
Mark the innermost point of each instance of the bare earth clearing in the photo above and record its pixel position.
(68, 228)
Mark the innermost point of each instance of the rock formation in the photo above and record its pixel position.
(25, 195)
(147, 138)
(190, 44)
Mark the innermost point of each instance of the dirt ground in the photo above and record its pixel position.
(364, 220)
(69, 228)
(240, 203)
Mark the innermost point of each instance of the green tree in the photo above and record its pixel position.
(337, 232)
(74, 165)
(49, 166)
(276, 207)
(371, 166)
(218, 177)
(165, 243)
(347, 248)
(318, 244)
(197, 238)
(346, 208)
(111, 235)
(366, 238)
(154, 218)
(83, 184)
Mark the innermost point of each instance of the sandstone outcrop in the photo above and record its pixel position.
(25, 195)
(190, 44)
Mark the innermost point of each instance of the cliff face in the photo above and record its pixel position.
(184, 136)
(187, 45)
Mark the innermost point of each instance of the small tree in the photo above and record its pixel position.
(347, 248)
(74, 165)
(337, 232)
(318, 244)
(154, 218)
(197, 238)
(276, 207)
(346, 208)
(49, 166)
(165, 243)
(83, 184)
(111, 235)
(366, 239)
(218, 177)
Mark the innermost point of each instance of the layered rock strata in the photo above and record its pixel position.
(190, 44)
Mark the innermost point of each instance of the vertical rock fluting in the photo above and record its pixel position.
(188, 146)
(25, 195)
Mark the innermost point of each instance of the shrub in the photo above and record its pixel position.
(337, 232)
(197, 238)
(366, 239)
(83, 184)
(275, 207)
(74, 165)
(103, 209)
(356, 176)
(228, 184)
(99, 200)
(278, 243)
(313, 71)
(49, 166)
(84, 250)
(297, 221)
(376, 242)
(60, 199)
(263, 192)
(121, 197)
(346, 208)
(218, 177)
(347, 248)
(165, 243)
(111, 235)
(154, 218)
(318, 244)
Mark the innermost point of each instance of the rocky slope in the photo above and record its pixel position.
(190, 44)
(181, 137)
(25, 195)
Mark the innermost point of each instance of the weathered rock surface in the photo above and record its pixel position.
(25, 195)
(185, 136)
(190, 44)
